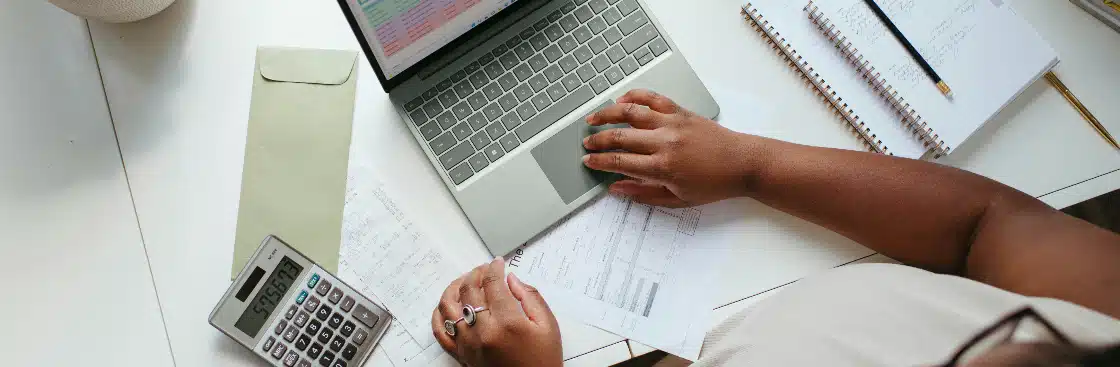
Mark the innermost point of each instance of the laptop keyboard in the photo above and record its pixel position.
(519, 88)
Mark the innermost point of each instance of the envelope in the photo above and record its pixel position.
(294, 180)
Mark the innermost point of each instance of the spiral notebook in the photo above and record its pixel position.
(986, 52)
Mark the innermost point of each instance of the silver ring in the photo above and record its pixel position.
(470, 314)
(449, 326)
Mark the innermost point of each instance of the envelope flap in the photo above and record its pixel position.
(310, 66)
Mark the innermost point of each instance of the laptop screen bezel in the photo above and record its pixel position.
(390, 84)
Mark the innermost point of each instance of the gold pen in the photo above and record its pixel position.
(1061, 87)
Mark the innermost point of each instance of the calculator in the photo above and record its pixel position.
(292, 313)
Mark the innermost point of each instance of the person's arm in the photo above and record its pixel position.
(923, 214)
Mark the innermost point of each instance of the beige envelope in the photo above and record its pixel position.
(294, 179)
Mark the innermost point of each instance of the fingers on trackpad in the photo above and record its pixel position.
(561, 159)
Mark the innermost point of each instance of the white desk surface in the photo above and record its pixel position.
(179, 88)
(79, 291)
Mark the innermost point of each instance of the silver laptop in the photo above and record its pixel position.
(496, 92)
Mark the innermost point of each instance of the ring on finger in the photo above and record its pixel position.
(449, 326)
(470, 314)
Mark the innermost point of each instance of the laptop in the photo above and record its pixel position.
(496, 92)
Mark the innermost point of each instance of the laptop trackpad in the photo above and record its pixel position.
(561, 158)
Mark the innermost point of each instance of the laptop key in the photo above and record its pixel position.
(523, 92)
(513, 42)
(582, 34)
(480, 140)
(471, 68)
(444, 85)
(568, 63)
(431, 94)
(461, 131)
(509, 142)
(553, 53)
(633, 22)
(430, 131)
(462, 110)
(507, 81)
(541, 101)
(586, 72)
(510, 120)
(464, 89)
(492, 111)
(601, 63)
(455, 78)
(627, 6)
(597, 25)
(485, 59)
(583, 53)
(538, 63)
(443, 143)
(418, 117)
(639, 38)
(568, 7)
(478, 80)
(526, 111)
(414, 104)
(616, 53)
(646, 58)
(612, 16)
(509, 60)
(448, 98)
(523, 51)
(571, 82)
(494, 70)
(612, 36)
(600, 84)
(557, 91)
(629, 66)
(456, 155)
(614, 75)
(584, 14)
(459, 175)
(523, 72)
(598, 5)
(640, 52)
(567, 44)
(508, 102)
(540, 25)
(554, 32)
(479, 161)
(477, 121)
(539, 42)
(433, 108)
(538, 83)
(555, 16)
(494, 151)
(597, 45)
(477, 101)
(658, 47)
(495, 130)
(446, 120)
(528, 32)
(553, 114)
(553, 73)
(492, 91)
(569, 23)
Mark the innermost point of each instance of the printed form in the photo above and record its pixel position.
(387, 258)
(632, 269)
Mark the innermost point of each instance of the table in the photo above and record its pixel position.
(179, 88)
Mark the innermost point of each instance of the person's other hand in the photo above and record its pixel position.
(672, 157)
(508, 333)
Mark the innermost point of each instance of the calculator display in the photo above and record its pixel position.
(269, 296)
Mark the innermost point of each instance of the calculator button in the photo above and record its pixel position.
(349, 352)
(291, 359)
(325, 335)
(280, 327)
(268, 344)
(323, 288)
(301, 319)
(303, 363)
(314, 351)
(324, 313)
(291, 312)
(337, 343)
(335, 320)
(301, 297)
(365, 316)
(325, 361)
(278, 352)
(313, 327)
(311, 304)
(303, 342)
(313, 281)
(347, 328)
(339, 363)
(291, 334)
(336, 295)
(347, 304)
(360, 337)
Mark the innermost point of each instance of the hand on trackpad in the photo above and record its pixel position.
(561, 158)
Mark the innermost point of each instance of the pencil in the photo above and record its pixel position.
(1084, 111)
(941, 85)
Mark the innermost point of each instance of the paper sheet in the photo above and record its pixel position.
(387, 257)
(631, 269)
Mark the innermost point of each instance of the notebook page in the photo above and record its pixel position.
(985, 52)
(789, 19)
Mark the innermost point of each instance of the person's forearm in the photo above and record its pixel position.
(917, 212)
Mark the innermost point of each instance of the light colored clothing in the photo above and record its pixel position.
(881, 315)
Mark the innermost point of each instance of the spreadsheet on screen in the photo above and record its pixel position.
(403, 32)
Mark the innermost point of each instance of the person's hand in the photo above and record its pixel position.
(507, 333)
(672, 157)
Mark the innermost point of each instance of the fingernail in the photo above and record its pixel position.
(589, 118)
(499, 259)
(586, 140)
(514, 278)
(586, 158)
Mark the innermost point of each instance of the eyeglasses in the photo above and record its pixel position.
(1002, 332)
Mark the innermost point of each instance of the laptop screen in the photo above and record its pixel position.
(401, 33)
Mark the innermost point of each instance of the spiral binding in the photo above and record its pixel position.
(914, 121)
(809, 75)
